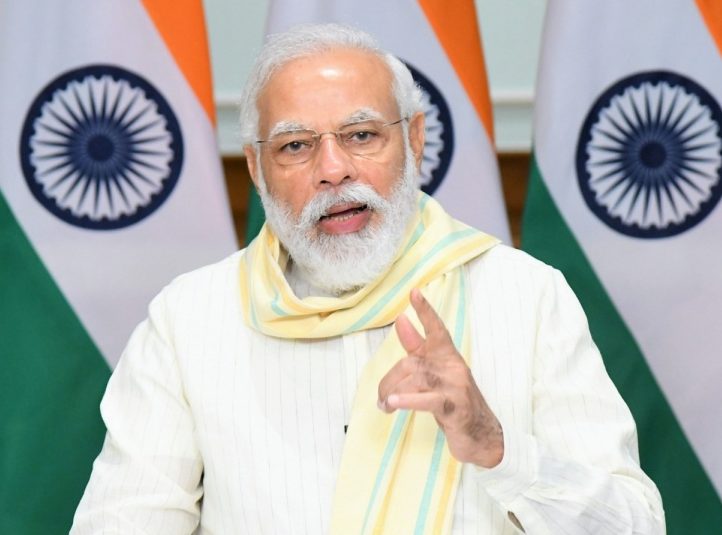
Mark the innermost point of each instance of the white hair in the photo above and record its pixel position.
(306, 40)
(341, 263)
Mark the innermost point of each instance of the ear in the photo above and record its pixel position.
(417, 136)
(251, 162)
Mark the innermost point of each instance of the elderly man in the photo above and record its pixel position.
(367, 364)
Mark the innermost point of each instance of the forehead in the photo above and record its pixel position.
(326, 88)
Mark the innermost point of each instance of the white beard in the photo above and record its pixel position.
(339, 263)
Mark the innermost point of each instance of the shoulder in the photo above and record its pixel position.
(505, 275)
(208, 276)
(203, 287)
(510, 275)
(503, 262)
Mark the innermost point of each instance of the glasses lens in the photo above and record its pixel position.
(292, 147)
(364, 138)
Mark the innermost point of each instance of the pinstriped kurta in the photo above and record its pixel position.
(202, 406)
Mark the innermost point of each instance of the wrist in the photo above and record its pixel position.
(492, 452)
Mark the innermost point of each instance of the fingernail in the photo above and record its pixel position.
(381, 405)
(392, 400)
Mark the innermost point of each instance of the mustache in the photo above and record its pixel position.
(351, 193)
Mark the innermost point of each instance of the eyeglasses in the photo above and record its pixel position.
(299, 146)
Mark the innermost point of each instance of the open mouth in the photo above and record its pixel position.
(343, 212)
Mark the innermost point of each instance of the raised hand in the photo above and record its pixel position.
(433, 377)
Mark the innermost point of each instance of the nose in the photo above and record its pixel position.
(332, 164)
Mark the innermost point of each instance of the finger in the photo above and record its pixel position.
(410, 339)
(433, 325)
(424, 378)
(432, 402)
(403, 369)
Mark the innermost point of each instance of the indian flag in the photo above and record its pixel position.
(110, 185)
(624, 197)
(440, 43)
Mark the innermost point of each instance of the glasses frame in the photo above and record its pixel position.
(336, 134)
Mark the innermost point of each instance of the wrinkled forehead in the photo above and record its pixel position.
(327, 89)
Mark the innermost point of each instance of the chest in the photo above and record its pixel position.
(271, 414)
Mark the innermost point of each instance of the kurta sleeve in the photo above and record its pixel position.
(578, 470)
(147, 478)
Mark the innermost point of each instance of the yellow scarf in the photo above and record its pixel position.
(397, 475)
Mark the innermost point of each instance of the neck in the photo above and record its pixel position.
(301, 283)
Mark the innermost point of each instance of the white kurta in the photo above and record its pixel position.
(216, 427)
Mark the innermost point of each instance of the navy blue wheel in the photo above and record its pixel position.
(649, 158)
(101, 148)
(439, 146)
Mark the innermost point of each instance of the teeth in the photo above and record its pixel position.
(343, 216)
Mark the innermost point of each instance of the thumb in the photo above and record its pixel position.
(409, 337)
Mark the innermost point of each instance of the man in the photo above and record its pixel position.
(367, 364)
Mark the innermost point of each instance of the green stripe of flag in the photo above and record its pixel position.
(52, 380)
(256, 215)
(690, 501)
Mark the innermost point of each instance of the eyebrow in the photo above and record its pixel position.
(359, 116)
(285, 127)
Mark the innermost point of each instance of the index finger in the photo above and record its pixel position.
(410, 339)
(434, 327)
